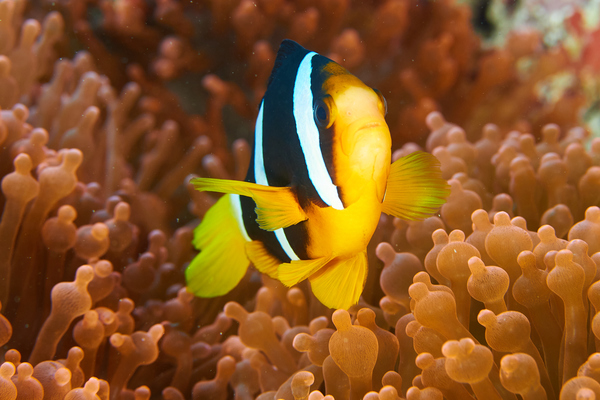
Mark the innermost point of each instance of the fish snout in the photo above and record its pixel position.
(363, 135)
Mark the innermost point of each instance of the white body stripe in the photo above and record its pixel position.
(237, 212)
(259, 163)
(308, 133)
(261, 178)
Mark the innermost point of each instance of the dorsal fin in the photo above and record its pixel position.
(287, 49)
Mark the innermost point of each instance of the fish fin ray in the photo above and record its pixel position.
(260, 257)
(276, 207)
(341, 283)
(415, 187)
(222, 262)
(297, 270)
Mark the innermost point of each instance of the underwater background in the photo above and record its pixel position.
(110, 107)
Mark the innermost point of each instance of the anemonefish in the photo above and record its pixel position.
(319, 178)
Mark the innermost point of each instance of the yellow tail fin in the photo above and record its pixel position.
(340, 284)
(222, 261)
(415, 187)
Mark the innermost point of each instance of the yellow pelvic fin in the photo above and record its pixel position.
(415, 187)
(262, 259)
(277, 207)
(341, 283)
(222, 261)
(293, 272)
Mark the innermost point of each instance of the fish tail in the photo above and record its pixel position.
(222, 261)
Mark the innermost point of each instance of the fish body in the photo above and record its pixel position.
(319, 178)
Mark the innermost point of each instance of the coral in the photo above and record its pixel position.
(109, 108)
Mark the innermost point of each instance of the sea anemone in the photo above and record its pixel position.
(109, 108)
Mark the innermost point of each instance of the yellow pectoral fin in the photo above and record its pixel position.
(293, 272)
(262, 259)
(277, 207)
(341, 283)
(222, 261)
(415, 187)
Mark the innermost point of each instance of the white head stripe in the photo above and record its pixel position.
(308, 133)
(237, 212)
(260, 177)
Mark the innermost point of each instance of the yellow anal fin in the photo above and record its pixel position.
(341, 283)
(264, 261)
(293, 272)
(222, 261)
(277, 207)
(415, 187)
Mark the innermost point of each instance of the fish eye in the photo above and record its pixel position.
(323, 113)
(382, 102)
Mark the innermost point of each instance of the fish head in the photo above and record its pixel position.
(361, 137)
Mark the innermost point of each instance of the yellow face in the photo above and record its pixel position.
(361, 137)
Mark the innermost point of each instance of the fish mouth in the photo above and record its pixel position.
(366, 130)
(370, 125)
(363, 134)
